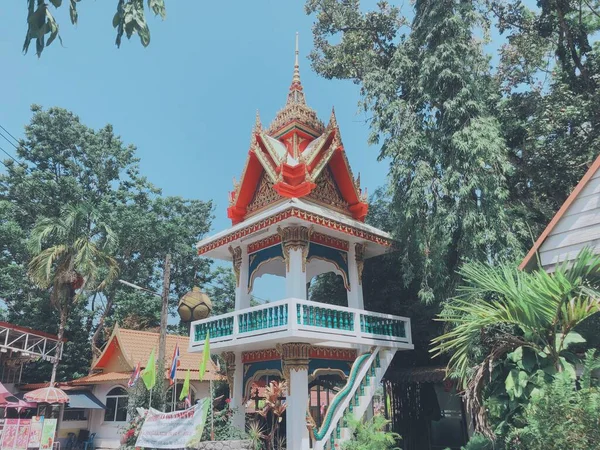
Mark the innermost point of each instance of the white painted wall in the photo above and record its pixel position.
(108, 434)
(578, 227)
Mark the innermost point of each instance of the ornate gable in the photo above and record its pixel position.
(263, 196)
(327, 192)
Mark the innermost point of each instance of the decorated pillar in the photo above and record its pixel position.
(295, 241)
(235, 379)
(355, 268)
(239, 256)
(294, 364)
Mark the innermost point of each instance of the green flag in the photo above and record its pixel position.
(205, 356)
(149, 372)
(186, 386)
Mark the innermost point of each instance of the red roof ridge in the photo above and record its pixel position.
(561, 212)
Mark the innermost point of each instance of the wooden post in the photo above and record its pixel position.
(162, 342)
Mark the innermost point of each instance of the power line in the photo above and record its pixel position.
(13, 158)
(9, 133)
(9, 141)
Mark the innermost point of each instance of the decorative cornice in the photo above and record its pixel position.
(236, 255)
(341, 354)
(295, 238)
(300, 214)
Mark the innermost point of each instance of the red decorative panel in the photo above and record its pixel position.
(269, 354)
(264, 243)
(341, 354)
(329, 241)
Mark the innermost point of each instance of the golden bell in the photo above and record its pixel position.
(194, 305)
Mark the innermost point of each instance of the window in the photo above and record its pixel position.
(179, 404)
(48, 411)
(74, 414)
(116, 405)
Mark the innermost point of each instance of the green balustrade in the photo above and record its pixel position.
(382, 326)
(216, 328)
(322, 317)
(275, 316)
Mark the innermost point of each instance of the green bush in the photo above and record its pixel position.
(560, 417)
(370, 435)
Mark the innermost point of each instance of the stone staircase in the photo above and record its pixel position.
(354, 398)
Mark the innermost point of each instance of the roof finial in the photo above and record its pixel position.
(296, 65)
(296, 95)
(257, 123)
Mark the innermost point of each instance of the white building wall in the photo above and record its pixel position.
(108, 434)
(578, 227)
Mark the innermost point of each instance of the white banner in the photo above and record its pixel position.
(179, 429)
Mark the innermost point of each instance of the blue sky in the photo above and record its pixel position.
(187, 101)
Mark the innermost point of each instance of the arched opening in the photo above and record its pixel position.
(269, 287)
(116, 405)
(328, 288)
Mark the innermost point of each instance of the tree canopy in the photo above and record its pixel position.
(129, 19)
(64, 163)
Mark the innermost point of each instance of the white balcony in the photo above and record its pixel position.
(294, 320)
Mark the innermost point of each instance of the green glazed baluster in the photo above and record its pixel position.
(311, 315)
(318, 317)
(329, 321)
(285, 314)
(276, 317)
(335, 319)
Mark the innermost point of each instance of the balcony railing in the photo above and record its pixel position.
(306, 321)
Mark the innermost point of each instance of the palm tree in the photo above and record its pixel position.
(538, 310)
(70, 257)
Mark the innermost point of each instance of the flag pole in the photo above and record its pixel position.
(212, 414)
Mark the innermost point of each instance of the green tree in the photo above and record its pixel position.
(503, 318)
(64, 162)
(431, 100)
(71, 257)
(129, 19)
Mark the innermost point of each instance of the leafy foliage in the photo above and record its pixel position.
(516, 328)
(129, 19)
(73, 266)
(431, 99)
(370, 434)
(561, 415)
(66, 163)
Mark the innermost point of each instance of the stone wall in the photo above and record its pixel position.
(225, 445)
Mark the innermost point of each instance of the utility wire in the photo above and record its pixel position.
(9, 141)
(9, 133)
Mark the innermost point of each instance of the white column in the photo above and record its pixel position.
(355, 294)
(242, 296)
(295, 277)
(237, 396)
(296, 430)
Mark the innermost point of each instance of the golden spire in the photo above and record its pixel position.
(296, 95)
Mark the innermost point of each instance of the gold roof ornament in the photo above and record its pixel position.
(195, 305)
(296, 108)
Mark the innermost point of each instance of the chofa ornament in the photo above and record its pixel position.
(194, 305)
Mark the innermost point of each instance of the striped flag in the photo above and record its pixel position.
(174, 365)
(135, 376)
